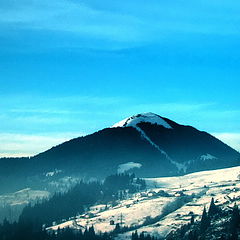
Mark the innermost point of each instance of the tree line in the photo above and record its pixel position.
(216, 223)
(61, 206)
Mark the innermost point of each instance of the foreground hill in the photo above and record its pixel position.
(166, 205)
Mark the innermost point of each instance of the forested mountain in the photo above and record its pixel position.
(146, 144)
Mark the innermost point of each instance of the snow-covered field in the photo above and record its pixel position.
(167, 203)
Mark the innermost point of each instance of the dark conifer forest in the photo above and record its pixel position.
(36, 218)
(216, 223)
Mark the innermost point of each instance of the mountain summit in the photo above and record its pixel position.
(151, 118)
(147, 144)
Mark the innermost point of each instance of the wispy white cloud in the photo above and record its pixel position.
(55, 109)
(174, 106)
(232, 139)
(21, 100)
(135, 22)
(41, 116)
(71, 17)
(96, 100)
(13, 144)
(181, 112)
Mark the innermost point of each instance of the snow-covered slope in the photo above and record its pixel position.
(167, 204)
(143, 117)
(23, 196)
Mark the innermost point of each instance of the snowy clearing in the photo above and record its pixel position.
(167, 203)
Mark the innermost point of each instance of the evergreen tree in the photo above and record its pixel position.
(192, 235)
(192, 220)
(135, 235)
(91, 232)
(234, 222)
(205, 223)
(141, 236)
(213, 209)
(117, 228)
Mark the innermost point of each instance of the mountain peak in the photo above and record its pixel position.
(148, 117)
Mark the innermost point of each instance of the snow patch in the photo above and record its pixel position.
(207, 157)
(127, 166)
(51, 174)
(144, 117)
(143, 134)
(179, 166)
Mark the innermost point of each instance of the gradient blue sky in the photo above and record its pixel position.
(71, 67)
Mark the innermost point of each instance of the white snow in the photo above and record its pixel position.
(143, 135)
(164, 193)
(127, 166)
(198, 178)
(52, 173)
(143, 117)
(207, 157)
(179, 166)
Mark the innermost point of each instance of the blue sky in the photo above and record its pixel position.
(71, 67)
